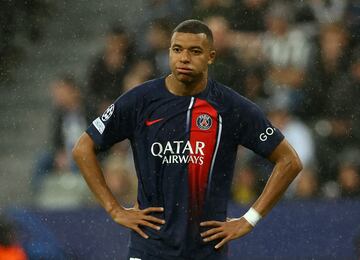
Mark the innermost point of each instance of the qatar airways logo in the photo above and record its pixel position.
(179, 152)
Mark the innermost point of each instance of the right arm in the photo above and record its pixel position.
(84, 153)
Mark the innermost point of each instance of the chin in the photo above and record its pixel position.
(184, 78)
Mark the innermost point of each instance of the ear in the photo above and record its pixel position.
(212, 57)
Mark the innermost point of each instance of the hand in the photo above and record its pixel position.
(228, 230)
(134, 217)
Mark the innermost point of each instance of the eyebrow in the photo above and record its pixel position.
(191, 47)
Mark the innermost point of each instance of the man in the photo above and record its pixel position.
(68, 122)
(184, 130)
(108, 70)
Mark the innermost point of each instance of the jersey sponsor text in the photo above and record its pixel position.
(179, 152)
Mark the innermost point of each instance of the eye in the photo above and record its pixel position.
(196, 51)
(176, 49)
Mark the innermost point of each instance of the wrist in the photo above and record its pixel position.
(252, 216)
(111, 209)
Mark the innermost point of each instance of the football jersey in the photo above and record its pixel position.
(184, 151)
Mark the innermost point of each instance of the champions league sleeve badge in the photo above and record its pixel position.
(204, 121)
(108, 112)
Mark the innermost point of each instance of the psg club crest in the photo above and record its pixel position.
(204, 122)
(107, 114)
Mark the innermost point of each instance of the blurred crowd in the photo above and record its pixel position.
(298, 60)
(24, 20)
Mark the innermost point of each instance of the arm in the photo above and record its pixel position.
(85, 156)
(287, 166)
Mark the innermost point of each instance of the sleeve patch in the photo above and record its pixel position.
(99, 125)
(108, 113)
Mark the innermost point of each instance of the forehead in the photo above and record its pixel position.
(189, 40)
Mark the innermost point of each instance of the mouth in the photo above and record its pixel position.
(183, 70)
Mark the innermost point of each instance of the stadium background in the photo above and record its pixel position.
(44, 44)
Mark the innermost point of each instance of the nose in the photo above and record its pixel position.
(185, 56)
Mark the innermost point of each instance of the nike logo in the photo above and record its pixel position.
(151, 122)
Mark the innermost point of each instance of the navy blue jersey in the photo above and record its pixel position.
(184, 151)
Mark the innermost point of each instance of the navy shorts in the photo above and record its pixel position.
(135, 254)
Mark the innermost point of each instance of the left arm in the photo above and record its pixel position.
(287, 166)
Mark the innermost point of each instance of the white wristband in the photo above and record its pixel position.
(252, 216)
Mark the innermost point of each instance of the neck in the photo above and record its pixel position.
(181, 88)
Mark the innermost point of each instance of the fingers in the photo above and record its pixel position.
(211, 232)
(215, 236)
(148, 224)
(153, 209)
(154, 219)
(225, 231)
(141, 218)
(223, 242)
(145, 221)
(211, 223)
(140, 232)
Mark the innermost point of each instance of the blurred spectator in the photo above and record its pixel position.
(349, 180)
(286, 51)
(248, 48)
(24, 20)
(248, 25)
(342, 102)
(301, 138)
(249, 15)
(108, 71)
(245, 21)
(328, 11)
(140, 72)
(176, 10)
(296, 132)
(157, 37)
(244, 187)
(172, 10)
(121, 179)
(253, 85)
(307, 186)
(69, 121)
(207, 8)
(339, 128)
(331, 61)
(304, 18)
(303, 12)
(348, 172)
(226, 69)
(352, 20)
(354, 86)
(9, 248)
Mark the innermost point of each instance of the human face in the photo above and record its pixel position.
(189, 57)
(276, 25)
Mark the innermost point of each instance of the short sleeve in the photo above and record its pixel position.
(116, 123)
(256, 132)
